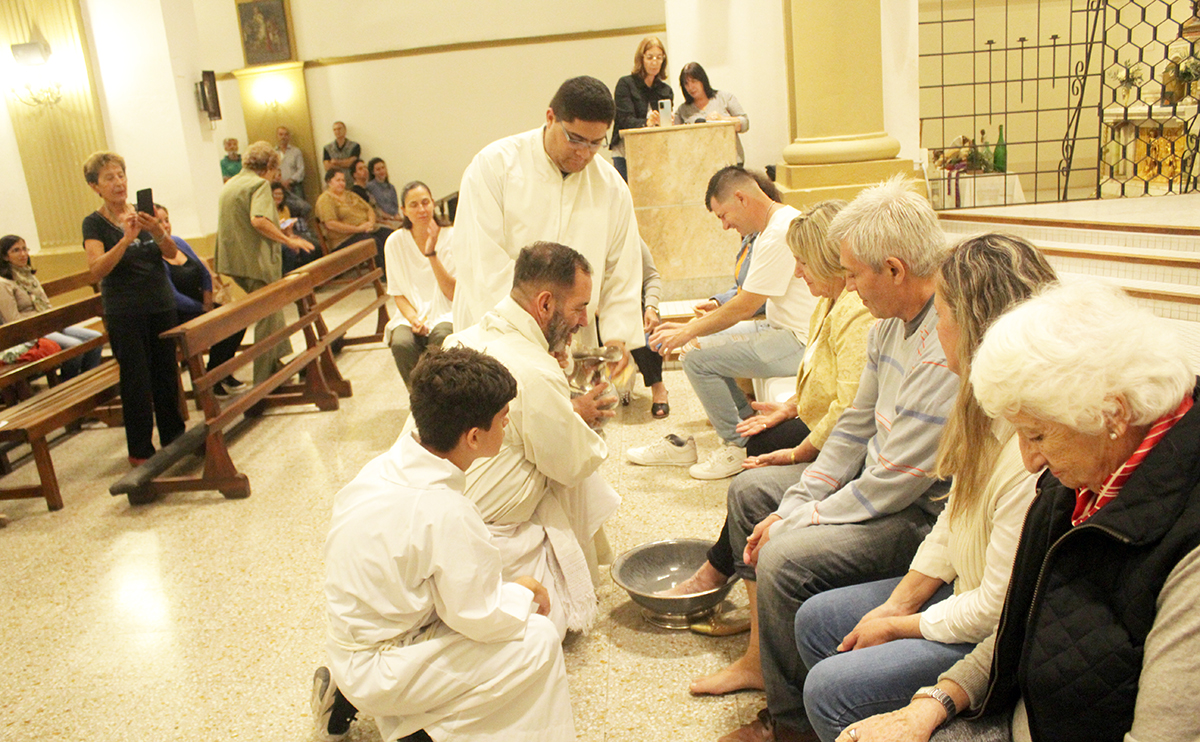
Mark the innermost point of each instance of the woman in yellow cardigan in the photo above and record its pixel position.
(793, 432)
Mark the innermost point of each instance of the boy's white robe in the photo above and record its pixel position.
(423, 633)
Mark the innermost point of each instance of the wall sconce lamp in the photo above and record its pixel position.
(273, 92)
(45, 92)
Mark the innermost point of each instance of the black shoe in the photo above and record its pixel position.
(220, 392)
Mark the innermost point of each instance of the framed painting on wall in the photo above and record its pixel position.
(266, 31)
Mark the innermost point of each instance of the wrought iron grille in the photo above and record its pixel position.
(1051, 74)
(1150, 86)
(1022, 65)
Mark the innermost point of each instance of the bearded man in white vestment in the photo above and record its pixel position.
(424, 633)
(541, 496)
(547, 184)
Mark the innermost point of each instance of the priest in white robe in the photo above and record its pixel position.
(424, 633)
(541, 496)
(547, 184)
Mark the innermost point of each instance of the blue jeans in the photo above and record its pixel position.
(843, 688)
(713, 373)
(69, 338)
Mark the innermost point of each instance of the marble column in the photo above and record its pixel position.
(839, 145)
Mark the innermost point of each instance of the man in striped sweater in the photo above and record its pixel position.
(860, 510)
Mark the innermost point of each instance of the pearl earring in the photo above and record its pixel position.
(1112, 434)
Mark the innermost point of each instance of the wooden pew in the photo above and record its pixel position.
(325, 270)
(55, 319)
(92, 393)
(73, 282)
(322, 384)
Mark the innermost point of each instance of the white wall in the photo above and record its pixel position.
(426, 114)
(147, 58)
(740, 44)
(16, 212)
(901, 95)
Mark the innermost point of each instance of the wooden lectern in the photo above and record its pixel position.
(669, 168)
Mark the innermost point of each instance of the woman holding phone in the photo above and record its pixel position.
(125, 251)
(637, 96)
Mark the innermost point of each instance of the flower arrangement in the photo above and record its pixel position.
(1127, 74)
(1189, 69)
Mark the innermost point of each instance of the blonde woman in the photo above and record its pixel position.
(849, 638)
(793, 432)
(637, 95)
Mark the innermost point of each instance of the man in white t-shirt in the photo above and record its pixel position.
(735, 198)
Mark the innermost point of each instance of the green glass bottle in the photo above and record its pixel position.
(1000, 154)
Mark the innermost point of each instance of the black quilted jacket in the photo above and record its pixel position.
(1082, 600)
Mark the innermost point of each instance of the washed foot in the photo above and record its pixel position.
(738, 676)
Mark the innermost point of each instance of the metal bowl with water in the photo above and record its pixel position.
(650, 568)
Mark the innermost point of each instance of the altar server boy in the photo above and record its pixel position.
(424, 634)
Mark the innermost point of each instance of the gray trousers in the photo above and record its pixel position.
(264, 365)
(799, 563)
(407, 347)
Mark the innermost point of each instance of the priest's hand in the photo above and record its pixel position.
(540, 595)
(592, 411)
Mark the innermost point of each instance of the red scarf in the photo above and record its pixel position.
(1088, 502)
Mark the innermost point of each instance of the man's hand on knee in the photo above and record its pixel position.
(758, 539)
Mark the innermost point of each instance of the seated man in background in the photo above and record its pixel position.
(424, 633)
(735, 198)
(862, 508)
(541, 496)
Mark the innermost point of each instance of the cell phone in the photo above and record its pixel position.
(664, 112)
(145, 201)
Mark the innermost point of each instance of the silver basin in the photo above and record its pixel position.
(660, 565)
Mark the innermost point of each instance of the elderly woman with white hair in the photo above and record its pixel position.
(1099, 633)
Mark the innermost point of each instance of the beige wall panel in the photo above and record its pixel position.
(53, 140)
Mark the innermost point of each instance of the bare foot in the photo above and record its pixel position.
(658, 393)
(743, 674)
(706, 578)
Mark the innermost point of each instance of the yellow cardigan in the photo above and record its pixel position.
(833, 363)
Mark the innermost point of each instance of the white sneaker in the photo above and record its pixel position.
(670, 451)
(721, 463)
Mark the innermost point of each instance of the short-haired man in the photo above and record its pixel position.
(248, 241)
(860, 510)
(735, 197)
(291, 162)
(541, 496)
(341, 152)
(424, 633)
(548, 184)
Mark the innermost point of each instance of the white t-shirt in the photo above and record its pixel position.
(773, 274)
(410, 275)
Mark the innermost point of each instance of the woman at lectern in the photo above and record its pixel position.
(701, 103)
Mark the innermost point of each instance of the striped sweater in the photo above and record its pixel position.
(879, 456)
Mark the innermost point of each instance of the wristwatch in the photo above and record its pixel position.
(941, 696)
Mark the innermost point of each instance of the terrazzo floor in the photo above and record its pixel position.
(200, 618)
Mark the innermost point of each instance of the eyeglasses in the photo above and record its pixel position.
(577, 141)
(654, 57)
